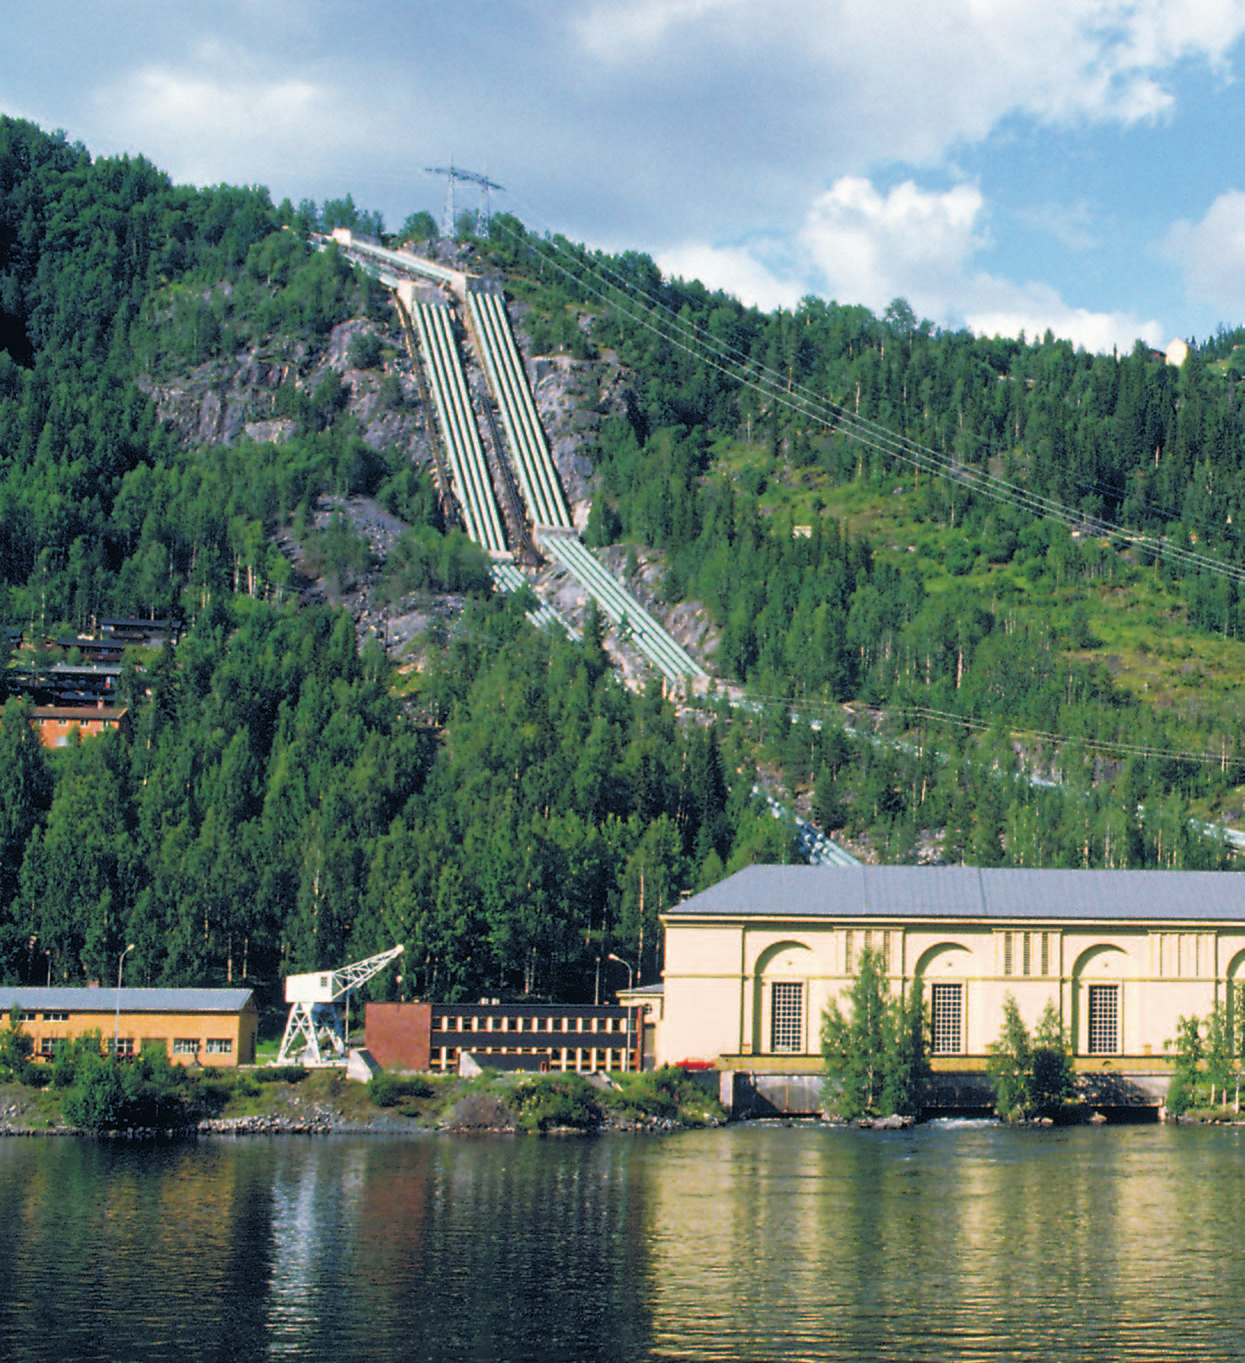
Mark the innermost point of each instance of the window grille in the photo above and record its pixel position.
(787, 1017)
(1027, 953)
(946, 1018)
(185, 1045)
(219, 1045)
(1104, 1019)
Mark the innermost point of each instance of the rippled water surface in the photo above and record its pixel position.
(955, 1242)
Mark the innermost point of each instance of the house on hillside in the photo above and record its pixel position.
(210, 1026)
(1122, 955)
(55, 724)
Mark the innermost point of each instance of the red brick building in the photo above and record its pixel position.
(432, 1036)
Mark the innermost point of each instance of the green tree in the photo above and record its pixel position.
(906, 1061)
(1220, 1054)
(419, 226)
(1053, 1082)
(873, 1059)
(1187, 1045)
(1011, 1065)
(16, 1046)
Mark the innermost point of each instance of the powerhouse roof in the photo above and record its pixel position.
(969, 892)
(67, 999)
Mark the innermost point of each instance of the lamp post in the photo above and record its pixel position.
(630, 975)
(116, 1022)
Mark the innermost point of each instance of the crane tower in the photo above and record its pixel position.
(313, 1031)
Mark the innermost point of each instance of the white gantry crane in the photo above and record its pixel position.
(313, 1033)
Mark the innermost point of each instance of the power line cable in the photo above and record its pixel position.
(703, 346)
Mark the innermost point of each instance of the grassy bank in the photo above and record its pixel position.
(325, 1100)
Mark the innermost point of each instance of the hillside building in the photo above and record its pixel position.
(54, 725)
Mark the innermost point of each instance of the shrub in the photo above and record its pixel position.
(70, 1056)
(366, 351)
(280, 1074)
(15, 1048)
(118, 1096)
(391, 1090)
(552, 1101)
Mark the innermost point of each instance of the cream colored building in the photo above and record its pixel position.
(752, 962)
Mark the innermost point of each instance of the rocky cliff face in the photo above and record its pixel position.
(227, 400)
(260, 395)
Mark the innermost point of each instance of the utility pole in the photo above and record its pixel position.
(453, 173)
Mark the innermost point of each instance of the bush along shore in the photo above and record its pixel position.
(91, 1094)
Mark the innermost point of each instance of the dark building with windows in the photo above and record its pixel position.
(433, 1036)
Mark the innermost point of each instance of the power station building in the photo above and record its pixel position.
(752, 962)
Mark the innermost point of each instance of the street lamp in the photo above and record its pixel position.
(630, 975)
(116, 1022)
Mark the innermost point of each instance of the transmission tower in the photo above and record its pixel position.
(453, 173)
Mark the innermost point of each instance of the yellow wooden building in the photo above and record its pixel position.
(751, 963)
(210, 1026)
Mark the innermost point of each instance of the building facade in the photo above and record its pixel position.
(1122, 955)
(207, 1026)
(432, 1036)
(55, 724)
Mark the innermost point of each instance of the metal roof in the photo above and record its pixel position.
(970, 892)
(66, 998)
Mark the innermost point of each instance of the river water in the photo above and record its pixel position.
(955, 1241)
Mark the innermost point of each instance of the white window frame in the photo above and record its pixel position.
(946, 1002)
(786, 1012)
(1102, 1032)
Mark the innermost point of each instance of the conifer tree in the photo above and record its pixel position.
(875, 1058)
(1011, 1065)
(1053, 1082)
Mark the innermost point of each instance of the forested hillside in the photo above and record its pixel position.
(507, 808)
(517, 816)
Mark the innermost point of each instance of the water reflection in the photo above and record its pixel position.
(947, 1243)
(952, 1242)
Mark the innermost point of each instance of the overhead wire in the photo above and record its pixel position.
(656, 316)
(696, 342)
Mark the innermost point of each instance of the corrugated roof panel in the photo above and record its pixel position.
(971, 892)
(68, 998)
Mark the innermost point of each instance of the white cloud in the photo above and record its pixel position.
(864, 246)
(906, 79)
(997, 307)
(1210, 254)
(205, 126)
(868, 247)
(735, 270)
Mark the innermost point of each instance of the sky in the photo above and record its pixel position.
(1003, 165)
